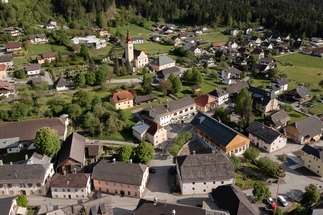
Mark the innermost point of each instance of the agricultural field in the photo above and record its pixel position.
(135, 30)
(49, 47)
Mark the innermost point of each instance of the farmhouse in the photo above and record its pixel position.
(48, 56)
(278, 120)
(12, 47)
(220, 95)
(122, 99)
(38, 39)
(263, 100)
(205, 103)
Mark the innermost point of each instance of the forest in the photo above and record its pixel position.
(298, 17)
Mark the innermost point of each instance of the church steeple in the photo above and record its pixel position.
(128, 36)
(129, 53)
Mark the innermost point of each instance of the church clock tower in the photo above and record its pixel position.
(129, 48)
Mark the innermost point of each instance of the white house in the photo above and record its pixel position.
(70, 185)
(162, 62)
(173, 111)
(230, 73)
(10, 145)
(265, 137)
(234, 32)
(33, 69)
(89, 40)
(279, 85)
(60, 84)
(200, 173)
(220, 95)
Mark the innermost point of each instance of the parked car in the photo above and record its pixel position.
(282, 200)
(270, 201)
(152, 170)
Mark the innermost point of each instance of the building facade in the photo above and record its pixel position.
(122, 99)
(313, 159)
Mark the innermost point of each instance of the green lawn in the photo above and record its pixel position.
(100, 52)
(20, 61)
(135, 30)
(295, 116)
(214, 37)
(151, 48)
(42, 48)
(302, 60)
(260, 83)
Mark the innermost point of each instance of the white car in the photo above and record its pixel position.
(270, 201)
(282, 200)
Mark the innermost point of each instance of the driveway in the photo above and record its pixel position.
(49, 80)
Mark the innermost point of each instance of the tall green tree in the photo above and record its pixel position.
(165, 86)
(176, 83)
(100, 76)
(243, 107)
(147, 80)
(80, 79)
(90, 78)
(84, 52)
(260, 190)
(251, 154)
(222, 114)
(125, 153)
(144, 153)
(22, 201)
(197, 77)
(47, 142)
(187, 76)
(312, 195)
(235, 162)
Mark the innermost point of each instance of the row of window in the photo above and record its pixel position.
(56, 196)
(69, 190)
(222, 182)
(11, 192)
(21, 185)
(114, 184)
(121, 192)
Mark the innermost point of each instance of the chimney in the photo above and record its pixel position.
(114, 160)
(26, 156)
(74, 171)
(173, 212)
(1, 162)
(64, 172)
(130, 160)
(194, 152)
(155, 201)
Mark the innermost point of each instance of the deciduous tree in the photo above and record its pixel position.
(251, 154)
(235, 162)
(90, 78)
(165, 86)
(80, 79)
(22, 201)
(47, 142)
(222, 114)
(125, 153)
(144, 153)
(312, 195)
(260, 191)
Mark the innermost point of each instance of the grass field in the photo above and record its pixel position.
(151, 48)
(42, 48)
(295, 116)
(135, 30)
(20, 62)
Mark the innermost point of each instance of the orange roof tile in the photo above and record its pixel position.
(203, 100)
(122, 96)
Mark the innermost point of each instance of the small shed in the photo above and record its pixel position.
(195, 88)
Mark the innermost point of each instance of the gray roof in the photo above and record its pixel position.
(9, 142)
(263, 132)
(214, 166)
(165, 73)
(214, 129)
(236, 88)
(60, 82)
(22, 173)
(5, 204)
(162, 60)
(310, 126)
(5, 58)
(145, 98)
(140, 127)
(120, 172)
(234, 200)
(218, 92)
(316, 152)
(261, 96)
(279, 118)
(302, 91)
(266, 60)
(174, 105)
(36, 36)
(39, 159)
(232, 70)
(33, 67)
(280, 81)
(70, 180)
(72, 148)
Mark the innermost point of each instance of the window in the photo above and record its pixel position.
(204, 190)
(55, 190)
(121, 185)
(204, 183)
(128, 186)
(193, 188)
(309, 161)
(30, 185)
(114, 184)
(77, 196)
(83, 196)
(64, 196)
(193, 182)
(1, 185)
(107, 190)
(38, 185)
(82, 190)
(2, 192)
(115, 191)
(68, 190)
(9, 185)
(39, 191)
(56, 196)
(76, 190)
(99, 182)
(309, 166)
(128, 193)
(63, 190)
(22, 185)
(11, 192)
(99, 188)
(135, 186)
(318, 171)
(318, 167)
(213, 182)
(135, 193)
(222, 182)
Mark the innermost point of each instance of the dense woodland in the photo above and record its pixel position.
(299, 17)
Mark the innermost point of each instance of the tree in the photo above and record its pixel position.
(80, 79)
(84, 52)
(312, 195)
(273, 73)
(128, 67)
(278, 211)
(144, 153)
(235, 162)
(271, 168)
(83, 98)
(251, 154)
(20, 74)
(125, 153)
(22, 201)
(101, 76)
(197, 77)
(287, 107)
(147, 80)
(90, 78)
(260, 191)
(47, 142)
(243, 107)
(114, 123)
(165, 86)
(222, 114)
(76, 47)
(176, 83)
(255, 73)
(187, 76)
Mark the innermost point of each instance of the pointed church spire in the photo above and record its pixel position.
(128, 36)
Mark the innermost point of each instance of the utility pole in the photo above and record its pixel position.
(276, 201)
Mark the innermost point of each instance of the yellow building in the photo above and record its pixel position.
(313, 159)
(122, 99)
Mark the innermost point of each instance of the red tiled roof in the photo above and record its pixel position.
(49, 55)
(218, 44)
(11, 45)
(203, 100)
(154, 127)
(122, 96)
(2, 67)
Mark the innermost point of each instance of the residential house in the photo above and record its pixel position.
(152, 97)
(205, 103)
(247, 31)
(7, 61)
(182, 28)
(2, 71)
(10, 145)
(234, 32)
(220, 95)
(232, 45)
(318, 209)
(33, 69)
(218, 136)
(12, 47)
(61, 84)
(192, 40)
(208, 59)
(196, 51)
(307, 51)
(259, 53)
(38, 39)
(155, 38)
(262, 69)
(71, 157)
(162, 62)
(313, 158)
(278, 120)
(125, 179)
(149, 130)
(90, 40)
(48, 56)
(318, 52)
(6, 89)
(9, 206)
(279, 85)
(49, 26)
(275, 38)
(200, 173)
(137, 40)
(243, 51)
(173, 111)
(234, 89)
(52, 22)
(256, 41)
(316, 41)
(13, 31)
(299, 94)
(305, 131)
(281, 49)
(218, 45)
(122, 99)
(229, 74)
(70, 185)
(267, 61)
(263, 100)
(266, 138)
(184, 35)
(93, 150)
(165, 73)
(25, 179)
(232, 200)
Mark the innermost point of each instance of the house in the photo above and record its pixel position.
(7, 61)
(162, 62)
(278, 120)
(275, 38)
(234, 89)
(205, 103)
(263, 100)
(195, 88)
(219, 45)
(305, 131)
(234, 32)
(258, 53)
(233, 202)
(89, 40)
(218, 136)
(173, 111)
(220, 95)
(196, 51)
(48, 56)
(25, 131)
(12, 47)
(27, 179)
(307, 51)
(38, 39)
(247, 31)
(122, 99)
(6, 89)
(149, 130)
(207, 59)
(2, 71)
(200, 173)
(70, 185)
(49, 26)
(313, 158)
(192, 40)
(318, 51)
(125, 179)
(61, 84)
(155, 38)
(299, 94)
(266, 138)
(13, 31)
(315, 41)
(165, 73)
(279, 85)
(71, 157)
(93, 150)
(318, 209)
(267, 61)
(262, 69)
(230, 73)
(140, 58)
(232, 45)
(138, 40)
(152, 97)
(256, 41)
(33, 69)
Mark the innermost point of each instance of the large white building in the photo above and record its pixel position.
(135, 57)
(90, 40)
